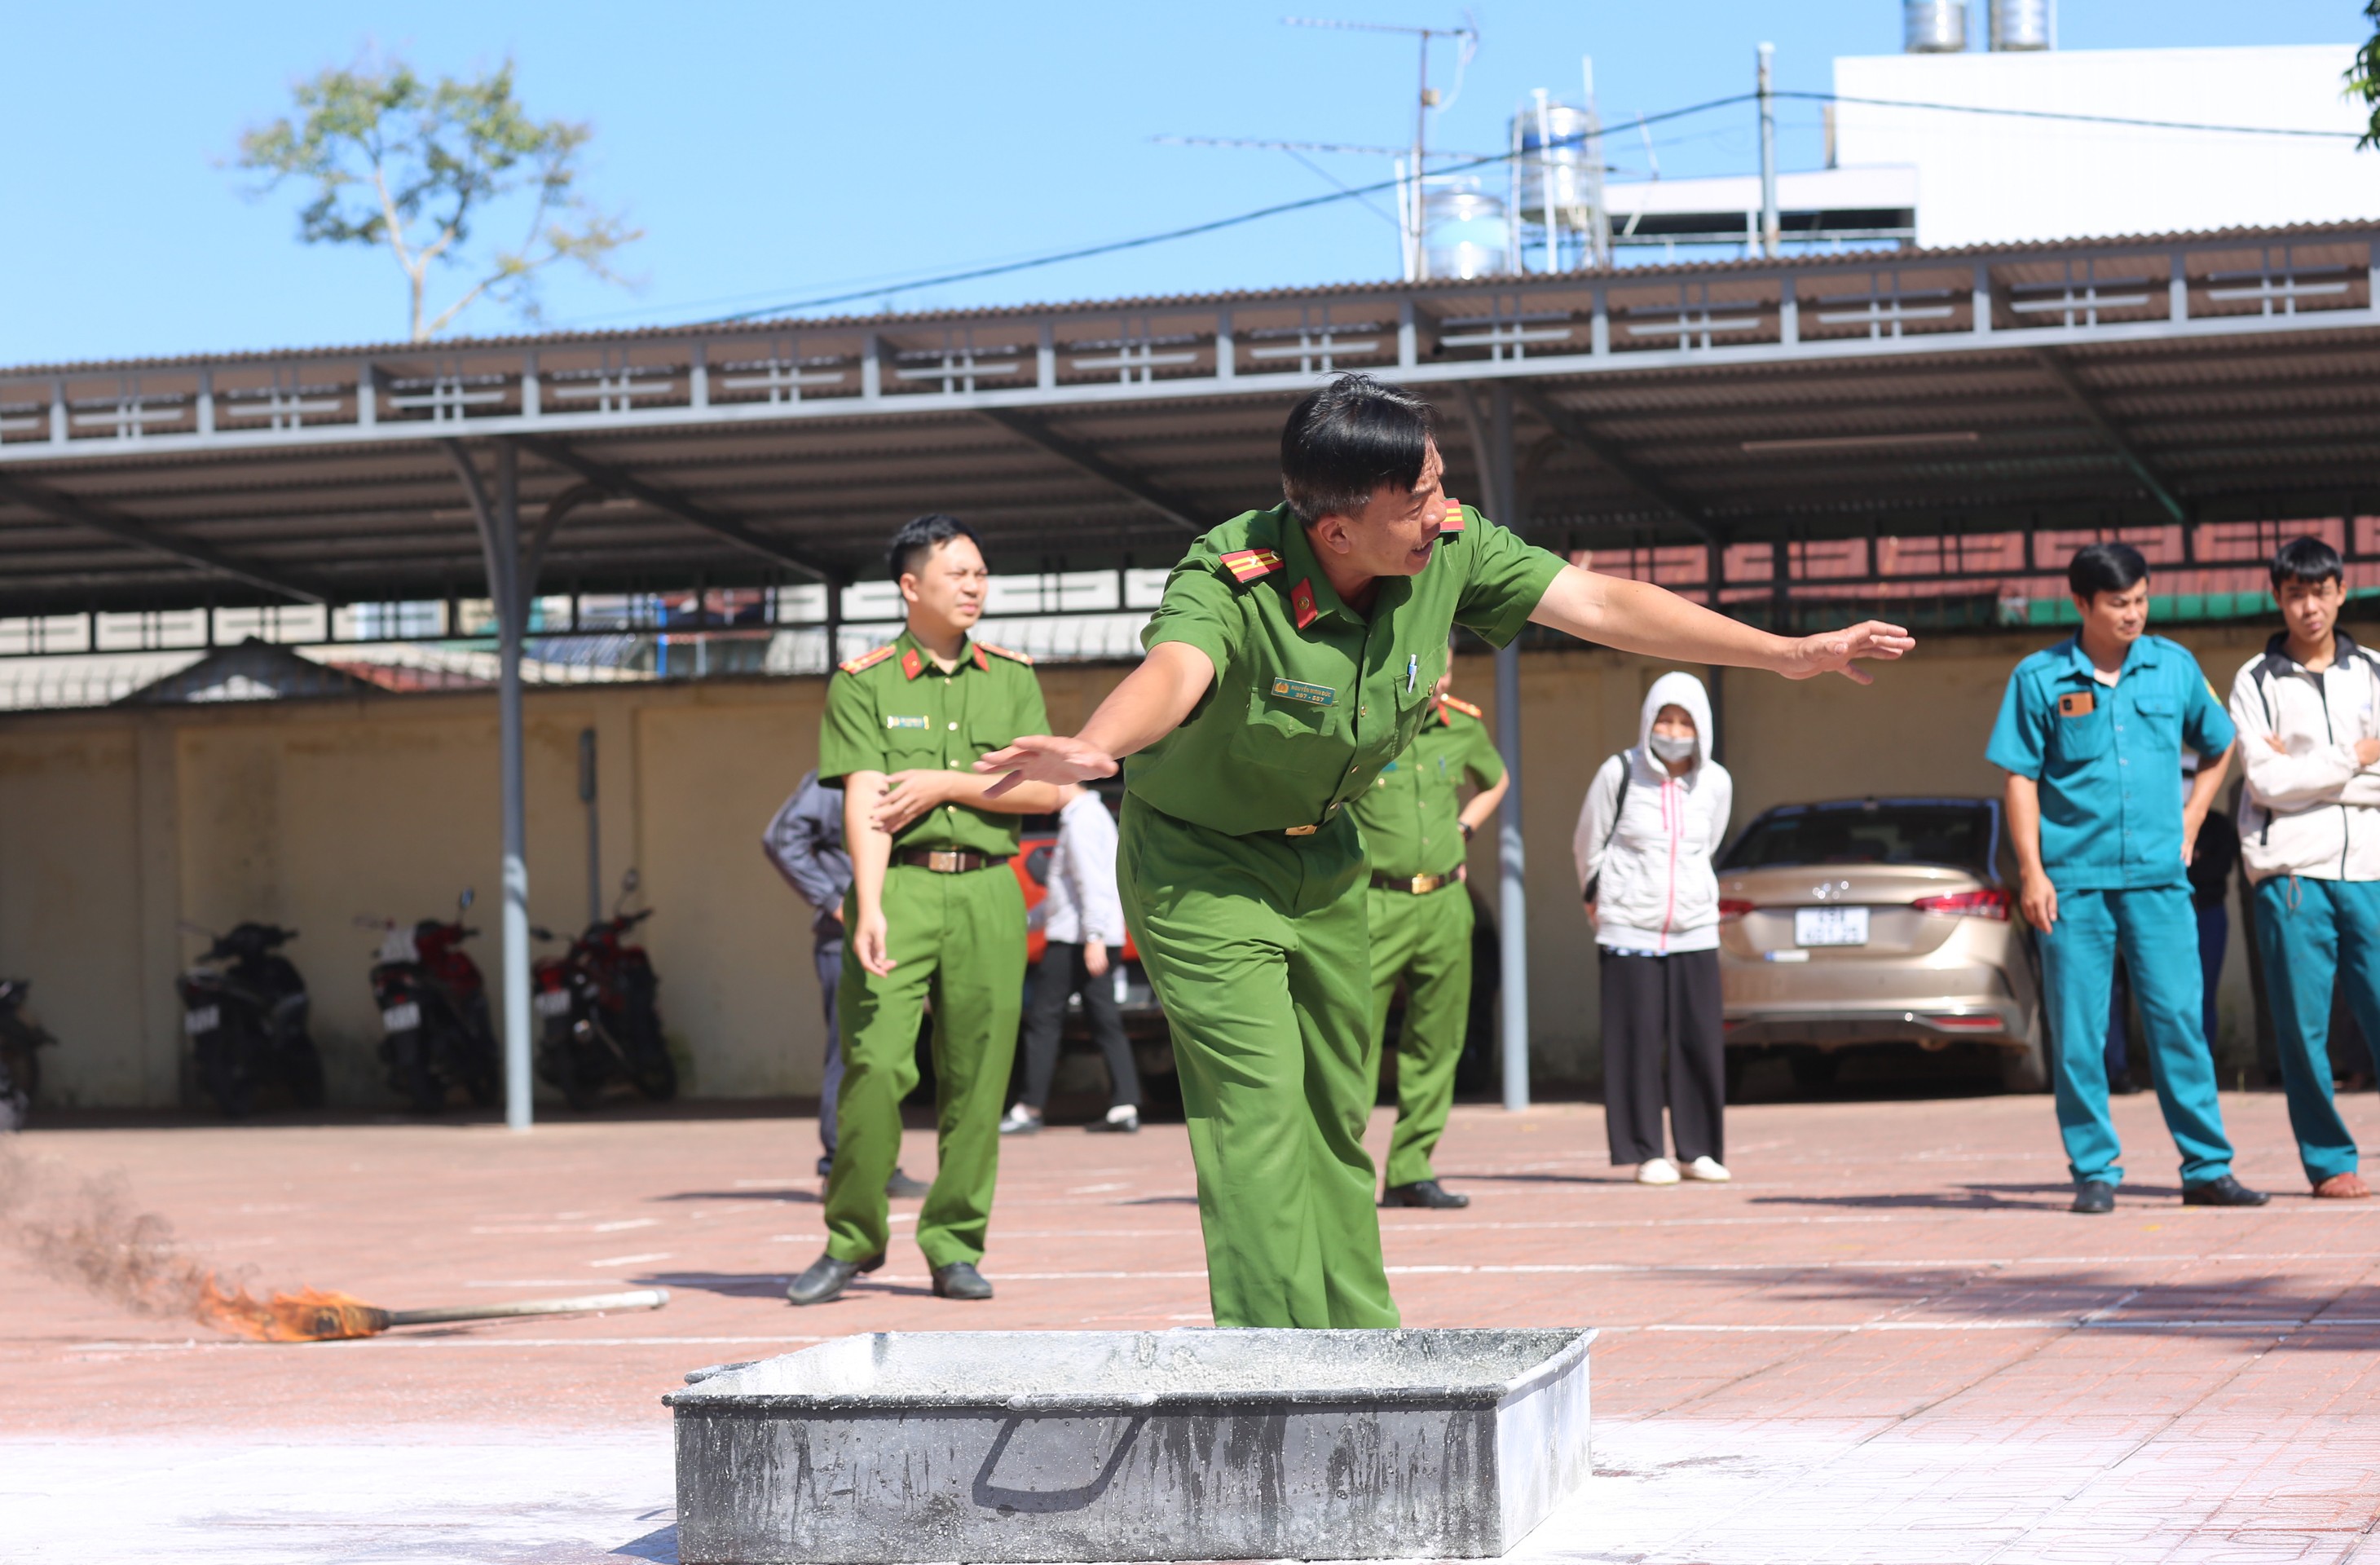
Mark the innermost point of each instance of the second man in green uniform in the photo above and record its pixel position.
(934, 913)
(1414, 825)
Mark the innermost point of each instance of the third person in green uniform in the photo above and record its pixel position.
(1414, 825)
(1291, 658)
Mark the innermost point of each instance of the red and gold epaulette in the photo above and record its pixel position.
(1013, 657)
(866, 660)
(1450, 520)
(1247, 564)
(1301, 603)
(1465, 707)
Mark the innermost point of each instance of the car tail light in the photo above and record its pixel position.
(1988, 902)
(1733, 908)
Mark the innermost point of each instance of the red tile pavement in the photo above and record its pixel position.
(1890, 1285)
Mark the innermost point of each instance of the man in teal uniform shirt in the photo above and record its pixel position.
(1293, 657)
(2090, 733)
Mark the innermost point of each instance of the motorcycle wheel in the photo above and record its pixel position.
(410, 1072)
(654, 1072)
(222, 1068)
(483, 1080)
(20, 1063)
(582, 1079)
(302, 1070)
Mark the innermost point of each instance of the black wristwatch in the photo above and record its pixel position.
(1467, 828)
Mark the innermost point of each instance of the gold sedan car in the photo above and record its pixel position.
(1873, 921)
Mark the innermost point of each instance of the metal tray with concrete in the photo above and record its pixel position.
(1132, 1445)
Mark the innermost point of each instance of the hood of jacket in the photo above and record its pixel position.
(1674, 689)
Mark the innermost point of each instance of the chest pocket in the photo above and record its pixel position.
(2160, 716)
(1298, 735)
(912, 738)
(2074, 741)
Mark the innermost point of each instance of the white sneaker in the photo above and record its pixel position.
(1656, 1170)
(1709, 1169)
(1020, 1120)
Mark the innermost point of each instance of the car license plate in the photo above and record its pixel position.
(553, 1002)
(205, 1019)
(1830, 926)
(399, 1018)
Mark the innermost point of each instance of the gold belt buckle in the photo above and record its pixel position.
(1422, 885)
(1300, 831)
(944, 861)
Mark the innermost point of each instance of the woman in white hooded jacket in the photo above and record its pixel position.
(1651, 825)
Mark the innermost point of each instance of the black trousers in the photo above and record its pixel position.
(1061, 975)
(1663, 1043)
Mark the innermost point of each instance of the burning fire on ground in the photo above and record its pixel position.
(83, 1230)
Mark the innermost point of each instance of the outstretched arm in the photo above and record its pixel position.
(1636, 616)
(1149, 704)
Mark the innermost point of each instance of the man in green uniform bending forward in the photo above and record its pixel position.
(1293, 657)
(934, 911)
(1415, 824)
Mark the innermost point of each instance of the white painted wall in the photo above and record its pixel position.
(1991, 180)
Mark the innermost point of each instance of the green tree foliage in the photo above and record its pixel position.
(2364, 76)
(393, 160)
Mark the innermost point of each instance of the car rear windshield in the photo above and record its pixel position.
(1956, 834)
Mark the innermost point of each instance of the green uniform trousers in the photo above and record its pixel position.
(1256, 947)
(1426, 941)
(959, 942)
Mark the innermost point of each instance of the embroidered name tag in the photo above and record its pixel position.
(2076, 703)
(892, 722)
(1298, 690)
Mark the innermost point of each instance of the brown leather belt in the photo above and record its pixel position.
(1419, 885)
(947, 861)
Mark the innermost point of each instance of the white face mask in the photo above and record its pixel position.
(1668, 748)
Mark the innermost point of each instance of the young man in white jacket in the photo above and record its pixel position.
(2308, 713)
(1652, 823)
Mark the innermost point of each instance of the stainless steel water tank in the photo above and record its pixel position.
(2024, 24)
(1553, 165)
(1466, 231)
(1933, 26)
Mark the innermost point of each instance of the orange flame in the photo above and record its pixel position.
(309, 1314)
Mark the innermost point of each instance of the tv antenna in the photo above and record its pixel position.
(1410, 205)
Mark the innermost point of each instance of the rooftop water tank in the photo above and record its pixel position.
(1553, 166)
(2024, 24)
(1465, 232)
(1933, 26)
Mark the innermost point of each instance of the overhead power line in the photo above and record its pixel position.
(1214, 226)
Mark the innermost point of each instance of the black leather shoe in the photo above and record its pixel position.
(2223, 1192)
(2096, 1196)
(960, 1281)
(826, 1278)
(1422, 1193)
(901, 1187)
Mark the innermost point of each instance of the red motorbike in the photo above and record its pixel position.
(599, 1020)
(436, 1036)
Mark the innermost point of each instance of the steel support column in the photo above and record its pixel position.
(498, 515)
(1491, 443)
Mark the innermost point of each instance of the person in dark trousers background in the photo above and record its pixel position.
(805, 841)
(1083, 924)
(1652, 823)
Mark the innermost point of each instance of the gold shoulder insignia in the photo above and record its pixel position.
(866, 660)
(1248, 564)
(1465, 707)
(1013, 657)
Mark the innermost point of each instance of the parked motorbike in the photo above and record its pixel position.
(246, 1010)
(436, 1035)
(22, 1038)
(599, 1023)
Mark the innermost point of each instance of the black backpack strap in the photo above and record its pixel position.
(1619, 803)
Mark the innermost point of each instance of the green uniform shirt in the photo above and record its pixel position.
(893, 709)
(1412, 815)
(1310, 700)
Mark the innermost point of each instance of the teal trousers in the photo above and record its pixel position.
(2314, 935)
(2157, 932)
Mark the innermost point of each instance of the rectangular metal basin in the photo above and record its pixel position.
(999, 1446)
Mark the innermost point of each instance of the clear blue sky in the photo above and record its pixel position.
(774, 152)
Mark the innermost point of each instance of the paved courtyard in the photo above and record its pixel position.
(1886, 1341)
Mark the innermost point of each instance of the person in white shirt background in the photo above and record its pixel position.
(2308, 713)
(1652, 822)
(1082, 922)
